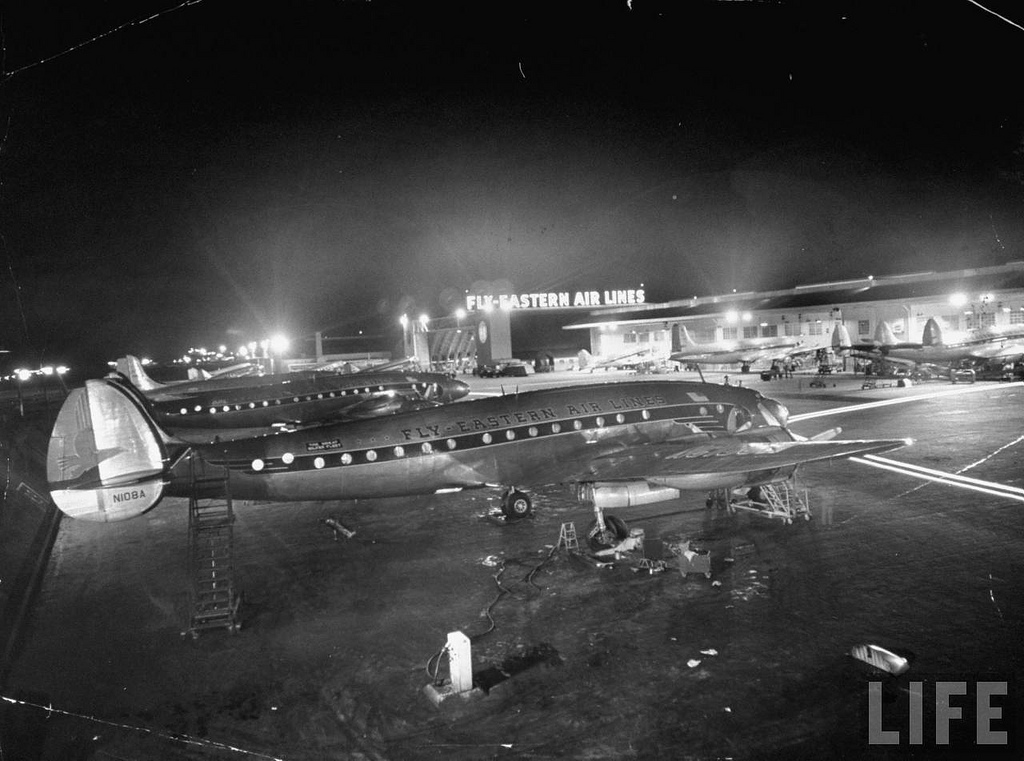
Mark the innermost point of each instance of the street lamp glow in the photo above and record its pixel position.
(460, 313)
(732, 316)
(424, 320)
(404, 319)
(958, 299)
(278, 344)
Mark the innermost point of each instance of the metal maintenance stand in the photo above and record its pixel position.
(780, 500)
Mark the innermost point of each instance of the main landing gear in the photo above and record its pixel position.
(607, 531)
(515, 504)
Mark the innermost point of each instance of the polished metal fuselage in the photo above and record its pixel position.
(526, 439)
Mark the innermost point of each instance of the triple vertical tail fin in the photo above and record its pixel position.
(107, 459)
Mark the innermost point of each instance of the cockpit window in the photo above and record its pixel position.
(739, 420)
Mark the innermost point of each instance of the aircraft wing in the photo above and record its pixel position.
(676, 465)
(754, 356)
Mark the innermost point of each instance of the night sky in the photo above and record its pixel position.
(228, 170)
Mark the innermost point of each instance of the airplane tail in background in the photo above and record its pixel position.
(107, 460)
(681, 338)
(932, 333)
(841, 337)
(884, 335)
(131, 368)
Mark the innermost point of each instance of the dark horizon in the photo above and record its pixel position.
(218, 174)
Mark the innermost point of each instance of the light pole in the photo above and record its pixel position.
(404, 319)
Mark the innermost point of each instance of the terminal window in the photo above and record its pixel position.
(750, 331)
(1017, 316)
(982, 320)
(863, 327)
(769, 331)
(730, 334)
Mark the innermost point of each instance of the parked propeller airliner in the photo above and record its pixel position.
(978, 345)
(629, 360)
(623, 443)
(745, 351)
(131, 368)
(305, 401)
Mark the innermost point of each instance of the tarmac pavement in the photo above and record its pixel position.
(582, 661)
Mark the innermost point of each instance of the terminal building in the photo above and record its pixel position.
(615, 323)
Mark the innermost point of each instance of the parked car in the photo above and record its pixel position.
(487, 371)
(517, 370)
(962, 375)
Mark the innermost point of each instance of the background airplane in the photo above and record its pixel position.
(1004, 342)
(237, 413)
(632, 443)
(883, 343)
(240, 407)
(745, 351)
(975, 346)
(629, 360)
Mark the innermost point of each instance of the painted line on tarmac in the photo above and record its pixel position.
(902, 400)
(918, 471)
(938, 476)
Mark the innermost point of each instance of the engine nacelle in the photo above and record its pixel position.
(605, 494)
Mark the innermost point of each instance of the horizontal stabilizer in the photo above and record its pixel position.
(106, 459)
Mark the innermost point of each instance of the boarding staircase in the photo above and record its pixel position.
(213, 599)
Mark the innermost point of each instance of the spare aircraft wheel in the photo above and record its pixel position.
(615, 530)
(516, 504)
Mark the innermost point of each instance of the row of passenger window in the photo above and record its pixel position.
(294, 399)
(399, 451)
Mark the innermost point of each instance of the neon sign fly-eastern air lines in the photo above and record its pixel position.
(556, 300)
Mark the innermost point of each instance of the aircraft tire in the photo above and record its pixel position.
(617, 525)
(516, 504)
(615, 530)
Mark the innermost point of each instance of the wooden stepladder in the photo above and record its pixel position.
(213, 599)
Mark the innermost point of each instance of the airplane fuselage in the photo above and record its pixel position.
(301, 399)
(527, 439)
